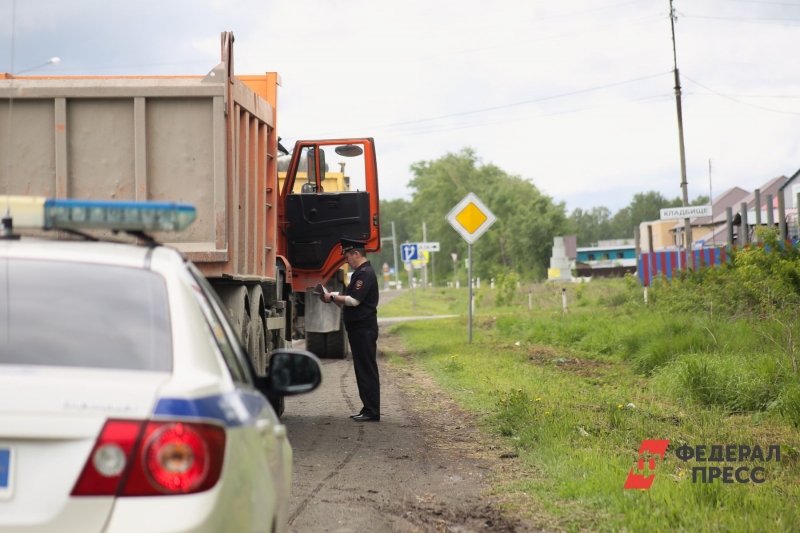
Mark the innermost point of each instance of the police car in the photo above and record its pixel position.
(126, 401)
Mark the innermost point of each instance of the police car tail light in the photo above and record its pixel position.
(176, 458)
(106, 465)
(49, 213)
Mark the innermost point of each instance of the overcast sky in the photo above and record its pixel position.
(574, 95)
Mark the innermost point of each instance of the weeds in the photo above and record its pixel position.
(453, 364)
(689, 378)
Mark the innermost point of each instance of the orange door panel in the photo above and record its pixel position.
(322, 212)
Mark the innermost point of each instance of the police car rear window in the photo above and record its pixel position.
(83, 315)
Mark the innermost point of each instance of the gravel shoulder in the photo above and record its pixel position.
(423, 467)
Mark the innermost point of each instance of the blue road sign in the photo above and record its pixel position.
(409, 252)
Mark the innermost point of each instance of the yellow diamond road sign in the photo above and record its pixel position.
(470, 218)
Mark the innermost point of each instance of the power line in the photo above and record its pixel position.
(774, 22)
(782, 96)
(653, 98)
(507, 106)
(441, 128)
(764, 2)
(595, 29)
(602, 8)
(739, 101)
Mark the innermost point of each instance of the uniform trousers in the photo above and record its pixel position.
(364, 346)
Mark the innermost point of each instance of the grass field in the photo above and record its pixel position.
(577, 393)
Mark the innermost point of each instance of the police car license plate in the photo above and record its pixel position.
(6, 473)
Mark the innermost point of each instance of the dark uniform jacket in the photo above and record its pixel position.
(364, 288)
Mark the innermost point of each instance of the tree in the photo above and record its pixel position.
(592, 225)
(597, 223)
(527, 219)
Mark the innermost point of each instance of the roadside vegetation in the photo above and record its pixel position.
(709, 360)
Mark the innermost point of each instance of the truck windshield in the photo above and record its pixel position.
(62, 313)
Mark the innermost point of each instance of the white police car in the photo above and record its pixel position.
(126, 401)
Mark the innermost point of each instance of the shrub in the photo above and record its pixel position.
(506, 288)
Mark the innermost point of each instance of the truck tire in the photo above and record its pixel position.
(315, 343)
(257, 339)
(336, 343)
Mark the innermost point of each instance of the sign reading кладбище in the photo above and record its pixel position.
(693, 211)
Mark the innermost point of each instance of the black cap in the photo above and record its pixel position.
(349, 244)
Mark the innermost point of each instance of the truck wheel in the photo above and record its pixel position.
(258, 346)
(257, 341)
(336, 343)
(315, 343)
(246, 333)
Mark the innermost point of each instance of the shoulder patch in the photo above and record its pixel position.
(359, 283)
(363, 269)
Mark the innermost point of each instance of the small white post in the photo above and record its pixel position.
(645, 294)
(478, 283)
(491, 284)
(564, 299)
(530, 301)
(458, 284)
(473, 304)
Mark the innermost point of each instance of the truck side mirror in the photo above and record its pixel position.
(312, 165)
(292, 372)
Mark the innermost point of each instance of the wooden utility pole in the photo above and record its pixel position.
(686, 223)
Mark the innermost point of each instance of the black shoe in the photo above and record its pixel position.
(365, 418)
(353, 416)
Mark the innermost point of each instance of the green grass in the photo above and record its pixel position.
(578, 425)
(427, 302)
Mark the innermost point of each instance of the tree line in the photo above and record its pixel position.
(521, 239)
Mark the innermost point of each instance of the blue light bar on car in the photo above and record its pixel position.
(48, 213)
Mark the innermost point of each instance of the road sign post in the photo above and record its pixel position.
(409, 252)
(430, 247)
(410, 271)
(394, 253)
(470, 218)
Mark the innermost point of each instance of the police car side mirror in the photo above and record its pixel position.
(292, 372)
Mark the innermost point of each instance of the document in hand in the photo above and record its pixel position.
(320, 289)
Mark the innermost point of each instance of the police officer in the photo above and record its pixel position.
(360, 308)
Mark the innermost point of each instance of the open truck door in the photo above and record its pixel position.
(318, 212)
(330, 192)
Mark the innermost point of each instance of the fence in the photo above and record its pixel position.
(653, 264)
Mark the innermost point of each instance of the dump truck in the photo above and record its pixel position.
(211, 141)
